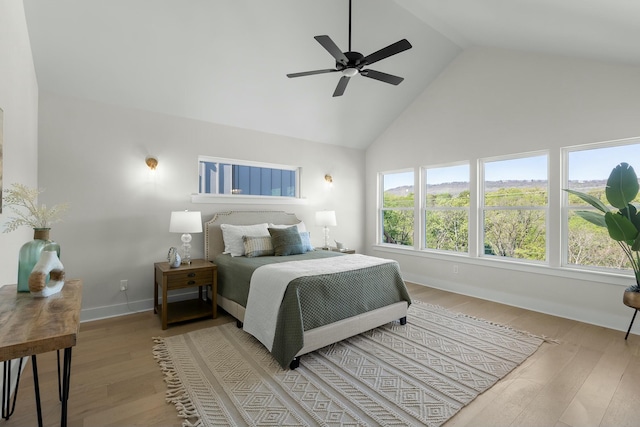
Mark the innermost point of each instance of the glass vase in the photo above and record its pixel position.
(30, 255)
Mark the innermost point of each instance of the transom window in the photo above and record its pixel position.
(242, 178)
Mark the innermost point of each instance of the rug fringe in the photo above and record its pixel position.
(489, 322)
(509, 328)
(176, 391)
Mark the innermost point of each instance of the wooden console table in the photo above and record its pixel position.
(31, 326)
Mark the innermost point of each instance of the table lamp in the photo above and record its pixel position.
(326, 219)
(185, 222)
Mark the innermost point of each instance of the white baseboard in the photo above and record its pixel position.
(615, 321)
(105, 312)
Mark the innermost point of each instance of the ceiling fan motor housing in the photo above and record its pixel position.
(355, 61)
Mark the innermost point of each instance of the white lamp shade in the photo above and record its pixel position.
(326, 218)
(185, 222)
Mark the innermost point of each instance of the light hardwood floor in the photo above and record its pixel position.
(591, 378)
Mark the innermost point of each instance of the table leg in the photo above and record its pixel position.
(59, 382)
(36, 387)
(66, 379)
(165, 304)
(155, 293)
(7, 406)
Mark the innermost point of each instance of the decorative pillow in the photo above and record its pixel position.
(305, 237)
(301, 226)
(232, 236)
(286, 241)
(255, 246)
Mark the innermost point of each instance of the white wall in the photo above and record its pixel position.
(19, 101)
(92, 156)
(492, 102)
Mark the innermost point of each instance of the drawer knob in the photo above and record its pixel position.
(192, 275)
(191, 282)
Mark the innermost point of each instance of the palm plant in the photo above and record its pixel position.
(623, 225)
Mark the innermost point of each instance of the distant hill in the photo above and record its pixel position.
(455, 188)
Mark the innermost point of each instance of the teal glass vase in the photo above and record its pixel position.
(30, 255)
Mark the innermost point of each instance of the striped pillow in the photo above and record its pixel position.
(255, 246)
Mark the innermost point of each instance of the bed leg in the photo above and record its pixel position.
(239, 324)
(294, 363)
(403, 320)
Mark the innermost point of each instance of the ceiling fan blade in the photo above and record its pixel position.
(342, 85)
(386, 52)
(383, 77)
(310, 73)
(331, 47)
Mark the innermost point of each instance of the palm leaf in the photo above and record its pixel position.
(622, 186)
(593, 201)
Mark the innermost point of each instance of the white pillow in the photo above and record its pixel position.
(232, 236)
(301, 227)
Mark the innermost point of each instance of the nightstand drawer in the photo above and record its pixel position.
(181, 279)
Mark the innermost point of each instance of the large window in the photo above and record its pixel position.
(587, 172)
(397, 212)
(504, 212)
(514, 207)
(446, 208)
(235, 177)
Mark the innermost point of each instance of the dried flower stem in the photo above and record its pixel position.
(21, 197)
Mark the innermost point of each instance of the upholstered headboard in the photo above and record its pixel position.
(213, 243)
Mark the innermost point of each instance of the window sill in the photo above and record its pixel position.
(246, 200)
(605, 277)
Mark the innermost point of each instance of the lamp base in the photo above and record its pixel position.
(326, 238)
(186, 249)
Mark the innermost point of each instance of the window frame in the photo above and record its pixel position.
(566, 209)
(482, 208)
(424, 208)
(382, 209)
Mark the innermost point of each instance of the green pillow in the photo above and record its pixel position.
(286, 241)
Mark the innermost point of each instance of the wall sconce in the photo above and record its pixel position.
(329, 180)
(152, 162)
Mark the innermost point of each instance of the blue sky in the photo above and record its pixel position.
(598, 163)
(583, 165)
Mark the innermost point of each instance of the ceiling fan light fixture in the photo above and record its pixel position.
(349, 72)
(350, 63)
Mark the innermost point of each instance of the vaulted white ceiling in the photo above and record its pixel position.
(225, 61)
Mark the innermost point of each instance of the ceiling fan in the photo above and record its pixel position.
(352, 63)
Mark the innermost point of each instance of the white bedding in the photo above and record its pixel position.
(269, 283)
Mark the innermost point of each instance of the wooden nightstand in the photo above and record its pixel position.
(199, 273)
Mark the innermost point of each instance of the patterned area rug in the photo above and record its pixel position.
(418, 374)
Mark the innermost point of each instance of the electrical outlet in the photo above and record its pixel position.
(455, 268)
(124, 285)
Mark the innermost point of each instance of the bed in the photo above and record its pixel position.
(354, 294)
